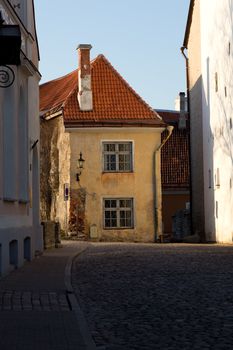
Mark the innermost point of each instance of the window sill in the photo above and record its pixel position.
(117, 228)
(118, 172)
(10, 200)
(23, 201)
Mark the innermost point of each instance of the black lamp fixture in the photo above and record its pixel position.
(10, 45)
(80, 166)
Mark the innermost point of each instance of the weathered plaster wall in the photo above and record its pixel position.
(217, 64)
(97, 185)
(196, 123)
(19, 163)
(55, 169)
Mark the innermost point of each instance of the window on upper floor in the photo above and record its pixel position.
(118, 213)
(117, 157)
(217, 178)
(225, 91)
(210, 179)
(216, 82)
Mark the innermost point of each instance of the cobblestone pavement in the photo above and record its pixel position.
(32, 301)
(151, 296)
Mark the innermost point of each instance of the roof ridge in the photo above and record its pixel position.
(101, 56)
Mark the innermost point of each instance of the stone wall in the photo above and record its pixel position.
(55, 165)
(77, 222)
(51, 234)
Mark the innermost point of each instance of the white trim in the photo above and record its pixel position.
(102, 129)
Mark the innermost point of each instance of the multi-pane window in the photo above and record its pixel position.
(118, 213)
(117, 156)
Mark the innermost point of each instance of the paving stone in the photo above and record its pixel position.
(157, 296)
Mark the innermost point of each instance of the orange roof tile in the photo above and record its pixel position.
(114, 101)
(55, 92)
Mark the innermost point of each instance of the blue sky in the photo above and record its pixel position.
(141, 39)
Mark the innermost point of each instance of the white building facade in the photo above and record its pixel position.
(20, 230)
(209, 41)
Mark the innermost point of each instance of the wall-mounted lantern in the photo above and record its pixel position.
(10, 45)
(80, 166)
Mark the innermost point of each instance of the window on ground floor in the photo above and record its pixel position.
(118, 213)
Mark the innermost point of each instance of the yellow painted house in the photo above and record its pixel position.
(115, 194)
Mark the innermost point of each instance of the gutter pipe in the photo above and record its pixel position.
(157, 187)
(182, 49)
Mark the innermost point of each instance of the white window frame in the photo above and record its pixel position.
(118, 209)
(117, 153)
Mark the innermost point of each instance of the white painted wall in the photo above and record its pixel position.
(216, 35)
(19, 164)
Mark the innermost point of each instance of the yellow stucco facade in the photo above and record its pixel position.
(96, 184)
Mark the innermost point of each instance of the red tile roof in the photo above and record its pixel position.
(114, 101)
(55, 92)
(175, 155)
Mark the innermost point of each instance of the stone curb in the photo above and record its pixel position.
(83, 326)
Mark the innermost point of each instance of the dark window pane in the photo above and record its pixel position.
(122, 214)
(113, 203)
(113, 214)
(107, 203)
(112, 166)
(107, 223)
(122, 203)
(107, 214)
(113, 223)
(124, 147)
(122, 223)
(128, 223)
(128, 203)
(121, 166)
(128, 214)
(109, 147)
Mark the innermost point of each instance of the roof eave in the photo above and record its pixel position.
(113, 123)
(188, 24)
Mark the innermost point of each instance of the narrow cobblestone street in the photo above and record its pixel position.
(148, 296)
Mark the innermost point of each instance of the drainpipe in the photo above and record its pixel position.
(182, 49)
(157, 186)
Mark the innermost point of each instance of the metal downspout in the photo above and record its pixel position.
(189, 137)
(157, 186)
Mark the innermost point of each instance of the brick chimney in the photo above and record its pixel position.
(84, 78)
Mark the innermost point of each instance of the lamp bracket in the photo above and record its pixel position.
(7, 76)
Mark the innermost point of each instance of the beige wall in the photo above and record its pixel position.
(99, 185)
